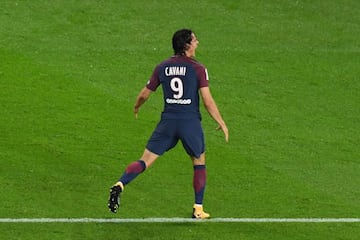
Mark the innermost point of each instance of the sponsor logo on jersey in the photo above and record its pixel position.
(178, 101)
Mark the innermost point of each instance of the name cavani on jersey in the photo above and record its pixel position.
(175, 71)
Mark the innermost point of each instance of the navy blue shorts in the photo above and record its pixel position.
(169, 131)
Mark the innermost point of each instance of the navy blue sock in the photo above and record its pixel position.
(132, 171)
(199, 183)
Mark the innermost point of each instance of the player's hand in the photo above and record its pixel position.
(225, 130)
(136, 110)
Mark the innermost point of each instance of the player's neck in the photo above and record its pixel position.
(190, 54)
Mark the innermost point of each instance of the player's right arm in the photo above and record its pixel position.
(141, 99)
(144, 94)
(213, 110)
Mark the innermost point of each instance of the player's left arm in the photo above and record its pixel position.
(143, 95)
(209, 101)
(213, 110)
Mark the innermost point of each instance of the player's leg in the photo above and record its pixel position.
(199, 183)
(160, 141)
(199, 179)
(192, 138)
(137, 167)
(131, 172)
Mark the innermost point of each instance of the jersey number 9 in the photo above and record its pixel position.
(177, 87)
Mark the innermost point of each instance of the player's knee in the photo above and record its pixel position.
(149, 158)
(199, 160)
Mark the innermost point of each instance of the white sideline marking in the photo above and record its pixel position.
(179, 220)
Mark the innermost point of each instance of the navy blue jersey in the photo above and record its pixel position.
(180, 78)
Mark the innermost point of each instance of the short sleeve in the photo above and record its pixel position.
(203, 77)
(154, 81)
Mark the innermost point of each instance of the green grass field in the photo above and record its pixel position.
(285, 75)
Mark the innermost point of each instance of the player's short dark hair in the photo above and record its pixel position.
(180, 40)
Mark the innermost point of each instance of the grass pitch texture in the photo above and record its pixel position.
(285, 75)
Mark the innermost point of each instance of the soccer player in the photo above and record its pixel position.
(182, 79)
